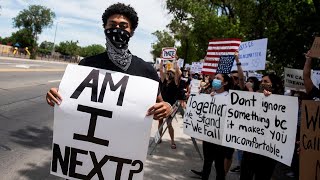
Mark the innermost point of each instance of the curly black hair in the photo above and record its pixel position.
(125, 10)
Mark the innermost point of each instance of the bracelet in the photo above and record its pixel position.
(238, 64)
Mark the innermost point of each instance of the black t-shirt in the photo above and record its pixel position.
(138, 67)
(315, 93)
(169, 92)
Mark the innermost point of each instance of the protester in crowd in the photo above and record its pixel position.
(205, 86)
(183, 89)
(119, 23)
(312, 91)
(222, 156)
(251, 163)
(252, 84)
(237, 75)
(170, 81)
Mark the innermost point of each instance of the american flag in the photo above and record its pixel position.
(216, 48)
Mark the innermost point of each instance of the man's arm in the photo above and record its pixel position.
(160, 110)
(240, 71)
(162, 73)
(53, 97)
(307, 74)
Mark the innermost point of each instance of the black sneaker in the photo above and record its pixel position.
(235, 169)
(196, 172)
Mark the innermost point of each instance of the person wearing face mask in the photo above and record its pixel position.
(251, 163)
(222, 156)
(170, 81)
(252, 84)
(119, 23)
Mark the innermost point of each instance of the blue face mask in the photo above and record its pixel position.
(216, 84)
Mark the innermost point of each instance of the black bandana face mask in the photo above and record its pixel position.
(118, 37)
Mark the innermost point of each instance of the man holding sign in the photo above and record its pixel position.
(121, 71)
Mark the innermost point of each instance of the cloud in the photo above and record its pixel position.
(81, 20)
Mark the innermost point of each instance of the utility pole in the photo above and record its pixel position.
(54, 40)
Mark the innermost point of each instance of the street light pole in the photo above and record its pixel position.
(54, 40)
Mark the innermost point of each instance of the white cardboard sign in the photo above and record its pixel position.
(100, 129)
(169, 53)
(252, 55)
(262, 125)
(204, 117)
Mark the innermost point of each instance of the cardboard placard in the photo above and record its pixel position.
(315, 49)
(262, 125)
(310, 141)
(252, 55)
(204, 117)
(100, 129)
(169, 53)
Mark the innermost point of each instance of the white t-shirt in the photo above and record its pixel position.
(225, 93)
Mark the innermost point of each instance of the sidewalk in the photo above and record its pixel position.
(168, 164)
(175, 164)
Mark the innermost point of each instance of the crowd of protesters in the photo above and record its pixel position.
(176, 86)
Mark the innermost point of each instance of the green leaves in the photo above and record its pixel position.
(290, 26)
(164, 40)
(34, 19)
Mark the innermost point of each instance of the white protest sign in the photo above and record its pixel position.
(316, 78)
(204, 117)
(169, 53)
(180, 62)
(252, 55)
(195, 84)
(100, 129)
(262, 125)
(293, 79)
(196, 67)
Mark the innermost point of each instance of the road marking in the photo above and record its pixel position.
(52, 81)
(31, 70)
(22, 66)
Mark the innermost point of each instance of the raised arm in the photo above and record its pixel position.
(240, 71)
(178, 73)
(307, 74)
(161, 69)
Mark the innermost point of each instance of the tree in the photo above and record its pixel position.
(91, 50)
(290, 26)
(35, 19)
(46, 47)
(22, 37)
(164, 39)
(69, 48)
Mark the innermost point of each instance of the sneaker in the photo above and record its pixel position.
(196, 172)
(235, 169)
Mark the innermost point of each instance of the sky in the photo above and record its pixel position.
(81, 20)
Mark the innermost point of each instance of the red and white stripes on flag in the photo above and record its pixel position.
(216, 48)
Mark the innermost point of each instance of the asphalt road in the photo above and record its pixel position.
(25, 118)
